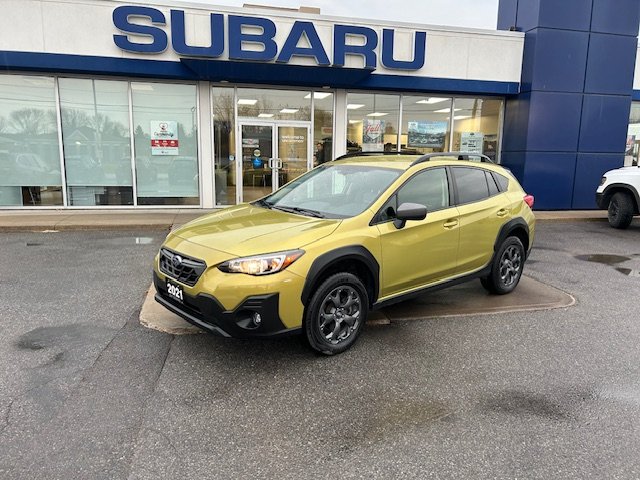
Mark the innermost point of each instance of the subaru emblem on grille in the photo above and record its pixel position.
(176, 261)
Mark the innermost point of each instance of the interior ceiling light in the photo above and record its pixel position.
(354, 106)
(265, 115)
(377, 114)
(430, 101)
(446, 110)
(247, 101)
(289, 110)
(318, 95)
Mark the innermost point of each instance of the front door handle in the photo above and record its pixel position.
(502, 212)
(450, 223)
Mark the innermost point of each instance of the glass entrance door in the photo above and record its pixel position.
(256, 149)
(272, 154)
(293, 153)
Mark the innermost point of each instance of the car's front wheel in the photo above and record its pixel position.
(620, 212)
(336, 314)
(506, 268)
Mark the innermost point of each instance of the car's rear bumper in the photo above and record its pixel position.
(600, 201)
(205, 312)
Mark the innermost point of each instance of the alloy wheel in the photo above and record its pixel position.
(510, 265)
(340, 314)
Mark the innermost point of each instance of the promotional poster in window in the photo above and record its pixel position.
(428, 134)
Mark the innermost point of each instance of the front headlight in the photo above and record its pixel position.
(261, 264)
(603, 180)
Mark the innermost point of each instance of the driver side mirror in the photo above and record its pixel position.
(409, 211)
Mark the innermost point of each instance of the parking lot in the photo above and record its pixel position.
(86, 392)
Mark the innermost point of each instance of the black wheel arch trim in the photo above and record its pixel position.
(508, 228)
(325, 261)
(607, 194)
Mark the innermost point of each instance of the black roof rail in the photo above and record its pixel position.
(459, 155)
(371, 154)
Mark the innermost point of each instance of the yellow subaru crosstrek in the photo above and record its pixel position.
(349, 236)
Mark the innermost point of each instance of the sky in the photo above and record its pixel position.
(459, 13)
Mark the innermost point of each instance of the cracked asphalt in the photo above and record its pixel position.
(86, 392)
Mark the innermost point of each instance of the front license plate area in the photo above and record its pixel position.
(175, 291)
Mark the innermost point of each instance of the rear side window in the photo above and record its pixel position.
(471, 183)
(502, 181)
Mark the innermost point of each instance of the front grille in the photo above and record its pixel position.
(186, 271)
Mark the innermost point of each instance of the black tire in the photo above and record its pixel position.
(336, 314)
(620, 211)
(506, 267)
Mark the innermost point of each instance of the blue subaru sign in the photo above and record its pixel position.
(148, 22)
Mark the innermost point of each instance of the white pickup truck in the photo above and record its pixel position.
(619, 194)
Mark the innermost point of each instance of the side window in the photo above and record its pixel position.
(502, 181)
(471, 183)
(493, 188)
(429, 188)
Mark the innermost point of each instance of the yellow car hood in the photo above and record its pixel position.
(246, 230)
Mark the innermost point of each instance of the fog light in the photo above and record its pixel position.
(257, 319)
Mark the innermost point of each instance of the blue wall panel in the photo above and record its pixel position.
(514, 161)
(507, 14)
(608, 67)
(554, 121)
(589, 170)
(616, 16)
(561, 14)
(604, 123)
(569, 123)
(559, 60)
(546, 176)
(516, 123)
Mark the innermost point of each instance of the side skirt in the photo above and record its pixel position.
(433, 288)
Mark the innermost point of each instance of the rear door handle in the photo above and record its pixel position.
(450, 223)
(502, 212)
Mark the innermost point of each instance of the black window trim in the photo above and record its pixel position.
(450, 184)
(495, 179)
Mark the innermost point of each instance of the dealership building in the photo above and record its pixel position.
(120, 104)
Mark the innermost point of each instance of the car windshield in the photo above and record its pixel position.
(332, 191)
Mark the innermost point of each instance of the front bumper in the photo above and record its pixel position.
(600, 201)
(206, 312)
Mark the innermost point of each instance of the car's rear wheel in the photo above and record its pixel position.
(506, 268)
(336, 314)
(620, 212)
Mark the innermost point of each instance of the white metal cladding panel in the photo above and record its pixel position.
(82, 27)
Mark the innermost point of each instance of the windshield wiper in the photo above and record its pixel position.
(263, 203)
(302, 211)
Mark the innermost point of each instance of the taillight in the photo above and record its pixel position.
(528, 199)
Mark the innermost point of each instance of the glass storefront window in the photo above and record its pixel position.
(29, 150)
(96, 139)
(633, 136)
(224, 144)
(372, 122)
(270, 105)
(476, 125)
(166, 143)
(322, 127)
(425, 123)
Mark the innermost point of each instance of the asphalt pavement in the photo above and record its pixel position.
(86, 392)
